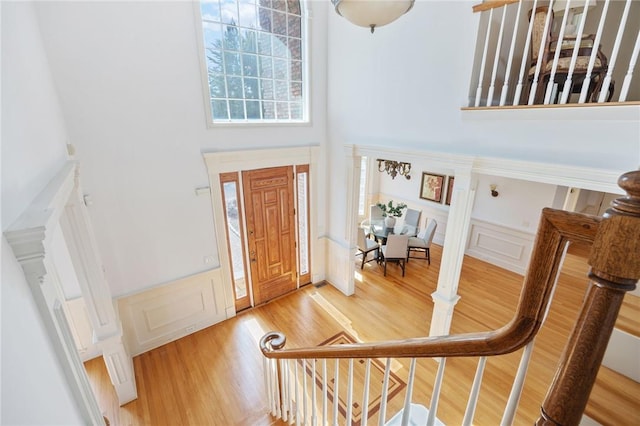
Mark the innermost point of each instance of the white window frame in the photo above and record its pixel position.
(306, 104)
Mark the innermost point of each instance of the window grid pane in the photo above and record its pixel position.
(254, 59)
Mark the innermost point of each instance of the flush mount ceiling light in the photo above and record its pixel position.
(372, 13)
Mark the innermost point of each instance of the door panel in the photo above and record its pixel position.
(271, 233)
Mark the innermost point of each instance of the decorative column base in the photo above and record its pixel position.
(120, 368)
(442, 313)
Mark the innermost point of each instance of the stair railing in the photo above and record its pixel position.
(573, 58)
(615, 269)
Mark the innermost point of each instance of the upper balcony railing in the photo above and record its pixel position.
(533, 52)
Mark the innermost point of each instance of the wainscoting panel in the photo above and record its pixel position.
(623, 353)
(171, 311)
(78, 318)
(505, 247)
(339, 259)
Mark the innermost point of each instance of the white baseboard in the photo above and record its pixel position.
(171, 311)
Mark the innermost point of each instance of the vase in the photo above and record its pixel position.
(389, 222)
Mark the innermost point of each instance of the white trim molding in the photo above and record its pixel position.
(238, 161)
(30, 237)
(168, 312)
(505, 247)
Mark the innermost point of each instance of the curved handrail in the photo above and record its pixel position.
(556, 228)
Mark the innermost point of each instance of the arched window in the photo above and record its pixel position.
(254, 59)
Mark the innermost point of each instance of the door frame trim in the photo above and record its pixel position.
(238, 161)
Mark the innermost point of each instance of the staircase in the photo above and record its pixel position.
(361, 383)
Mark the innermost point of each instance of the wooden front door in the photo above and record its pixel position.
(269, 204)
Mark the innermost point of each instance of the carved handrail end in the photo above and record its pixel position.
(272, 340)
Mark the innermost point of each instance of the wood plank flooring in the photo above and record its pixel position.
(214, 377)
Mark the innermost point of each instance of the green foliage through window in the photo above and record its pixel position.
(254, 58)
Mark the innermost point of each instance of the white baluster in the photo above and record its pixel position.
(314, 411)
(566, 91)
(521, 374)
(276, 387)
(267, 384)
(298, 416)
(594, 53)
(349, 412)
(556, 57)
(496, 59)
(614, 55)
(484, 60)
(336, 387)
(507, 73)
(292, 395)
(305, 394)
(516, 388)
(433, 409)
(365, 393)
(543, 42)
(325, 392)
(385, 393)
(285, 388)
(475, 392)
(627, 78)
(406, 412)
(525, 53)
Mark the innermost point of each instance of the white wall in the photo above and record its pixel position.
(128, 75)
(518, 205)
(34, 390)
(33, 131)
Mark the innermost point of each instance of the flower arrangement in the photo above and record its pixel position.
(390, 210)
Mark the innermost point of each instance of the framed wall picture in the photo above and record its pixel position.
(447, 200)
(432, 187)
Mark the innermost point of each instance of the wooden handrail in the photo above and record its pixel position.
(556, 228)
(488, 5)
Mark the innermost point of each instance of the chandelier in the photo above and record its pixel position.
(394, 168)
(372, 13)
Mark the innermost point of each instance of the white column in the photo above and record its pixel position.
(120, 367)
(571, 199)
(445, 297)
(352, 177)
(87, 263)
(30, 238)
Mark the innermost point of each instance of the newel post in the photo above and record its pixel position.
(615, 269)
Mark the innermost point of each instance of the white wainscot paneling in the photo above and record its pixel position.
(623, 354)
(339, 259)
(78, 318)
(171, 311)
(504, 247)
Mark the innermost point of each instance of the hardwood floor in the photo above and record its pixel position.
(214, 377)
